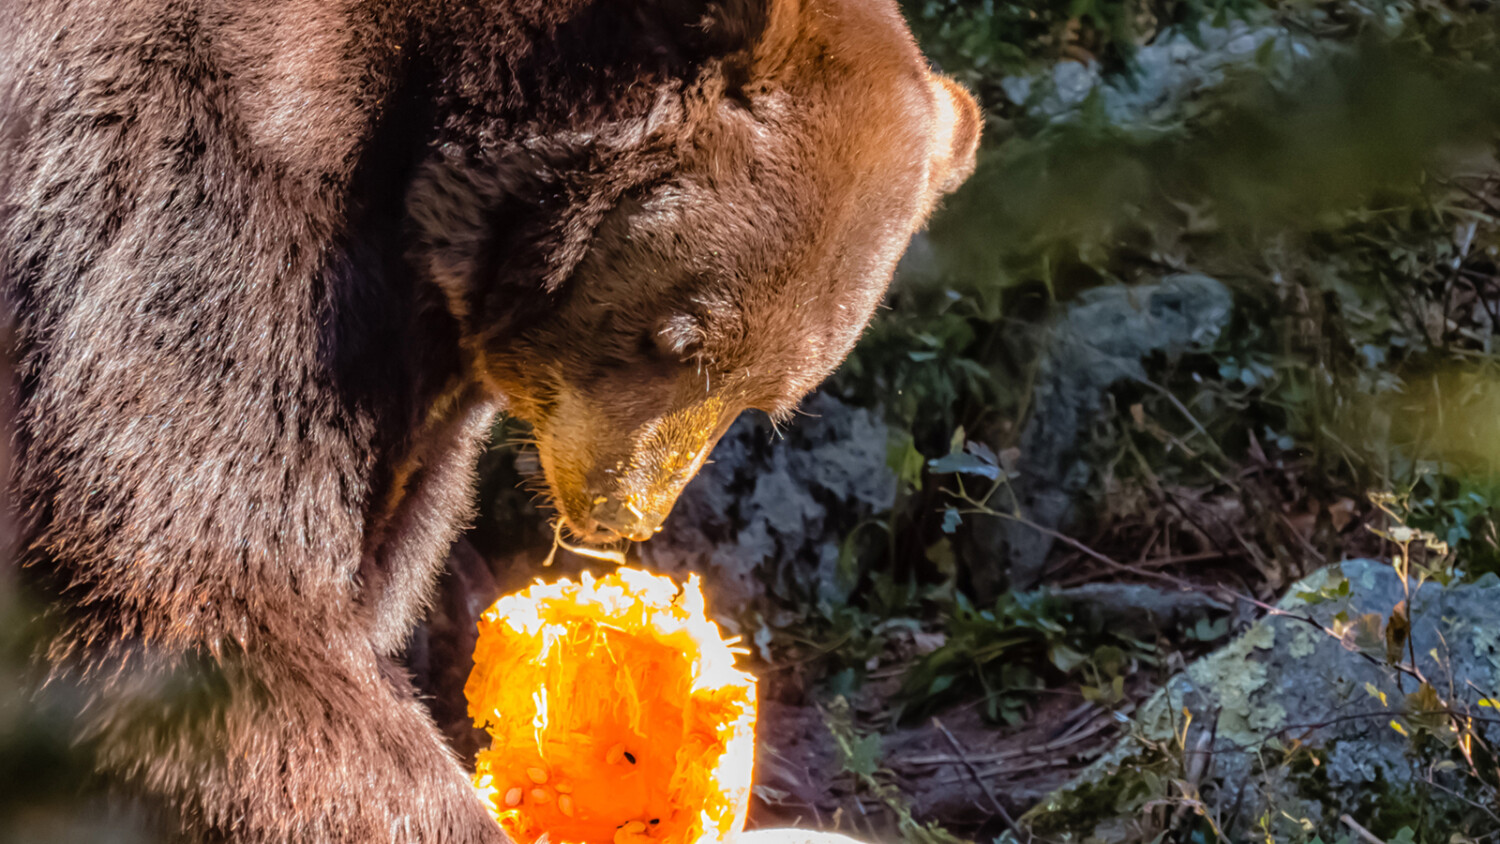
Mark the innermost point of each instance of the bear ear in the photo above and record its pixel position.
(722, 27)
(958, 124)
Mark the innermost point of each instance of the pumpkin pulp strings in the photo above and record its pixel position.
(605, 554)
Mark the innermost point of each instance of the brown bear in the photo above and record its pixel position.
(276, 265)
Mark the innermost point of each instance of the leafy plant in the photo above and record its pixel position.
(1001, 655)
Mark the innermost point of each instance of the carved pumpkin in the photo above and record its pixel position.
(615, 712)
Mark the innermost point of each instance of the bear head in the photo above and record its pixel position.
(656, 215)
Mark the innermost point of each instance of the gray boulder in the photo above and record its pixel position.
(763, 523)
(1167, 74)
(1100, 340)
(1293, 727)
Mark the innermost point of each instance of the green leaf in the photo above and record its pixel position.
(863, 755)
(1111, 660)
(1065, 658)
(1265, 54)
(1365, 634)
(941, 555)
(1204, 630)
(905, 460)
(1425, 710)
(965, 464)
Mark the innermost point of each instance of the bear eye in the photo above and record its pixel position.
(679, 337)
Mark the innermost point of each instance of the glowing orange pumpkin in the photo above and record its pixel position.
(615, 712)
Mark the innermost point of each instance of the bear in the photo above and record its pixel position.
(275, 266)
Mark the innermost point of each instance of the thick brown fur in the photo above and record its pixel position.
(277, 264)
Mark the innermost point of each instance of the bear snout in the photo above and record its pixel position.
(622, 519)
(613, 480)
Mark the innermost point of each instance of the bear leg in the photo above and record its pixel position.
(317, 739)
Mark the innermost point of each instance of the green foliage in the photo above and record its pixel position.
(1347, 200)
(1001, 654)
(976, 39)
(927, 364)
(1088, 199)
(859, 756)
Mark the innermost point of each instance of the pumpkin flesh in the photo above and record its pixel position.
(615, 712)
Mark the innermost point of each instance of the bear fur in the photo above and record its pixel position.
(275, 267)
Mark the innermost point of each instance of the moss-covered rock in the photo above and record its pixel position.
(1305, 718)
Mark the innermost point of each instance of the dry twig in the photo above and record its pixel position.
(1010, 822)
(1364, 834)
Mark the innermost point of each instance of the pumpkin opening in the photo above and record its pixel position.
(615, 713)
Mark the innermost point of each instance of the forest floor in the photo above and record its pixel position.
(865, 771)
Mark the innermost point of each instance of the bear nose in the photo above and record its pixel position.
(622, 519)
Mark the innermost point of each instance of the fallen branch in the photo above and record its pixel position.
(1364, 834)
(1010, 822)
